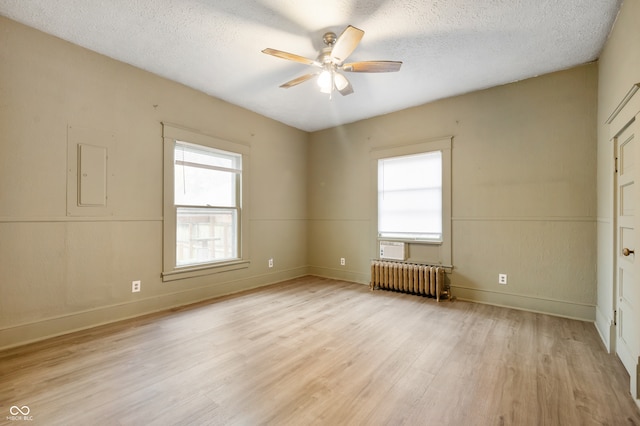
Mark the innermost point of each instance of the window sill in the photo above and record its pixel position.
(199, 271)
(410, 241)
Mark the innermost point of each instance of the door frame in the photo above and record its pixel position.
(627, 111)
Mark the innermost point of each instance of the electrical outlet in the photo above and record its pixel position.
(343, 261)
(271, 263)
(502, 279)
(135, 286)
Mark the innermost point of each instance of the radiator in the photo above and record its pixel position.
(425, 280)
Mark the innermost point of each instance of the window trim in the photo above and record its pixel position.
(442, 144)
(172, 133)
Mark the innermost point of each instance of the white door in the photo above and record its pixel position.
(628, 262)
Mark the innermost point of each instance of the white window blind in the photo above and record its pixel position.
(410, 197)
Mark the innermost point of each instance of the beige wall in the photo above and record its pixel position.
(59, 272)
(524, 198)
(619, 69)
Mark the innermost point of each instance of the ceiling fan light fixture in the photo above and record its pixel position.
(340, 81)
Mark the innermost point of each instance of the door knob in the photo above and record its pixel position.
(627, 252)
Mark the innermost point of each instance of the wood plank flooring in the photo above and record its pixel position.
(327, 352)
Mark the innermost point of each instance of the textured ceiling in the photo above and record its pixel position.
(448, 47)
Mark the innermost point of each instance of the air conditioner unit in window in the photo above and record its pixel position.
(393, 250)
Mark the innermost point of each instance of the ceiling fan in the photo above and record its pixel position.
(331, 62)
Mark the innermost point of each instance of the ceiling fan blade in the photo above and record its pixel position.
(291, 57)
(343, 85)
(298, 80)
(346, 44)
(372, 66)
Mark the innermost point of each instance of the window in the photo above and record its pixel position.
(207, 200)
(410, 197)
(204, 216)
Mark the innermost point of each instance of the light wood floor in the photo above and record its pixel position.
(320, 351)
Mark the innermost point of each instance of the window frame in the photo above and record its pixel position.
(432, 251)
(171, 271)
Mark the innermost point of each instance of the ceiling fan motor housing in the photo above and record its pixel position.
(329, 38)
